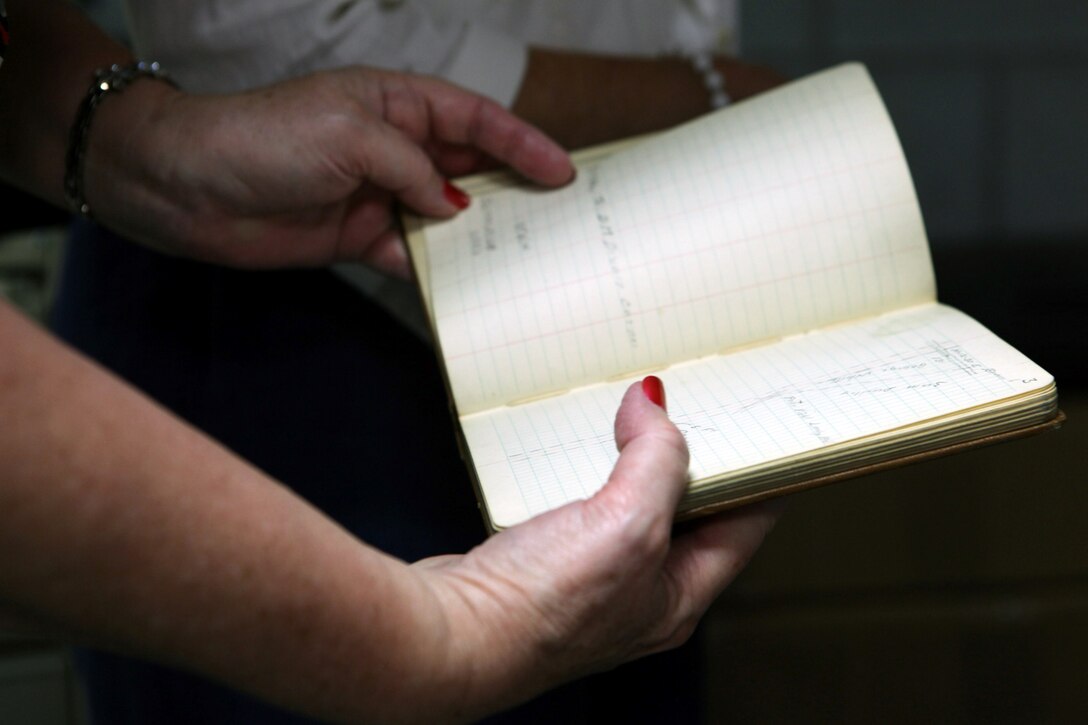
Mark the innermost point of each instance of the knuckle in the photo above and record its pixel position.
(643, 530)
(681, 623)
(673, 632)
(673, 439)
(683, 631)
(489, 117)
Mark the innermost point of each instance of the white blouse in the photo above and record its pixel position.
(230, 45)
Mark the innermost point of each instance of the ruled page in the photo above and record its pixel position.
(788, 212)
(764, 404)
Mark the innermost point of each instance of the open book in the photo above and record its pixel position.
(767, 261)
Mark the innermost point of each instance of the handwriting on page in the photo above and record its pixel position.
(762, 404)
(610, 244)
(487, 236)
(784, 214)
(880, 390)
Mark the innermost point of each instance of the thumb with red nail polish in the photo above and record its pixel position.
(642, 413)
(654, 390)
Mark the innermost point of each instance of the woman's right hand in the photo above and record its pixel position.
(595, 583)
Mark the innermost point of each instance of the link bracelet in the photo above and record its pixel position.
(112, 79)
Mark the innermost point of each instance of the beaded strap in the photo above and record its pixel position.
(703, 63)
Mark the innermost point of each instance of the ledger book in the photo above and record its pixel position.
(767, 261)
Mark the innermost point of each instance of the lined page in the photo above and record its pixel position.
(758, 405)
(785, 213)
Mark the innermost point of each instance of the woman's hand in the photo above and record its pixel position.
(595, 583)
(304, 172)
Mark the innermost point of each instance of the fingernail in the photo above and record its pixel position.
(456, 196)
(654, 390)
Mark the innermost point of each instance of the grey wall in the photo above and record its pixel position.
(990, 98)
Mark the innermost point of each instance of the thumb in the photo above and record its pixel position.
(653, 463)
(402, 167)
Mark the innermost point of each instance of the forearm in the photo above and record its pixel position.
(123, 527)
(47, 71)
(583, 99)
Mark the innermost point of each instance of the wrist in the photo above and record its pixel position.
(460, 653)
(111, 145)
(501, 650)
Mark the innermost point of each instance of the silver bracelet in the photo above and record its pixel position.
(115, 78)
(703, 63)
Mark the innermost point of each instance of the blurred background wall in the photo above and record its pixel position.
(956, 590)
(952, 591)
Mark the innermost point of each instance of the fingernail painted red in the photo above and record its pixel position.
(654, 390)
(456, 196)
